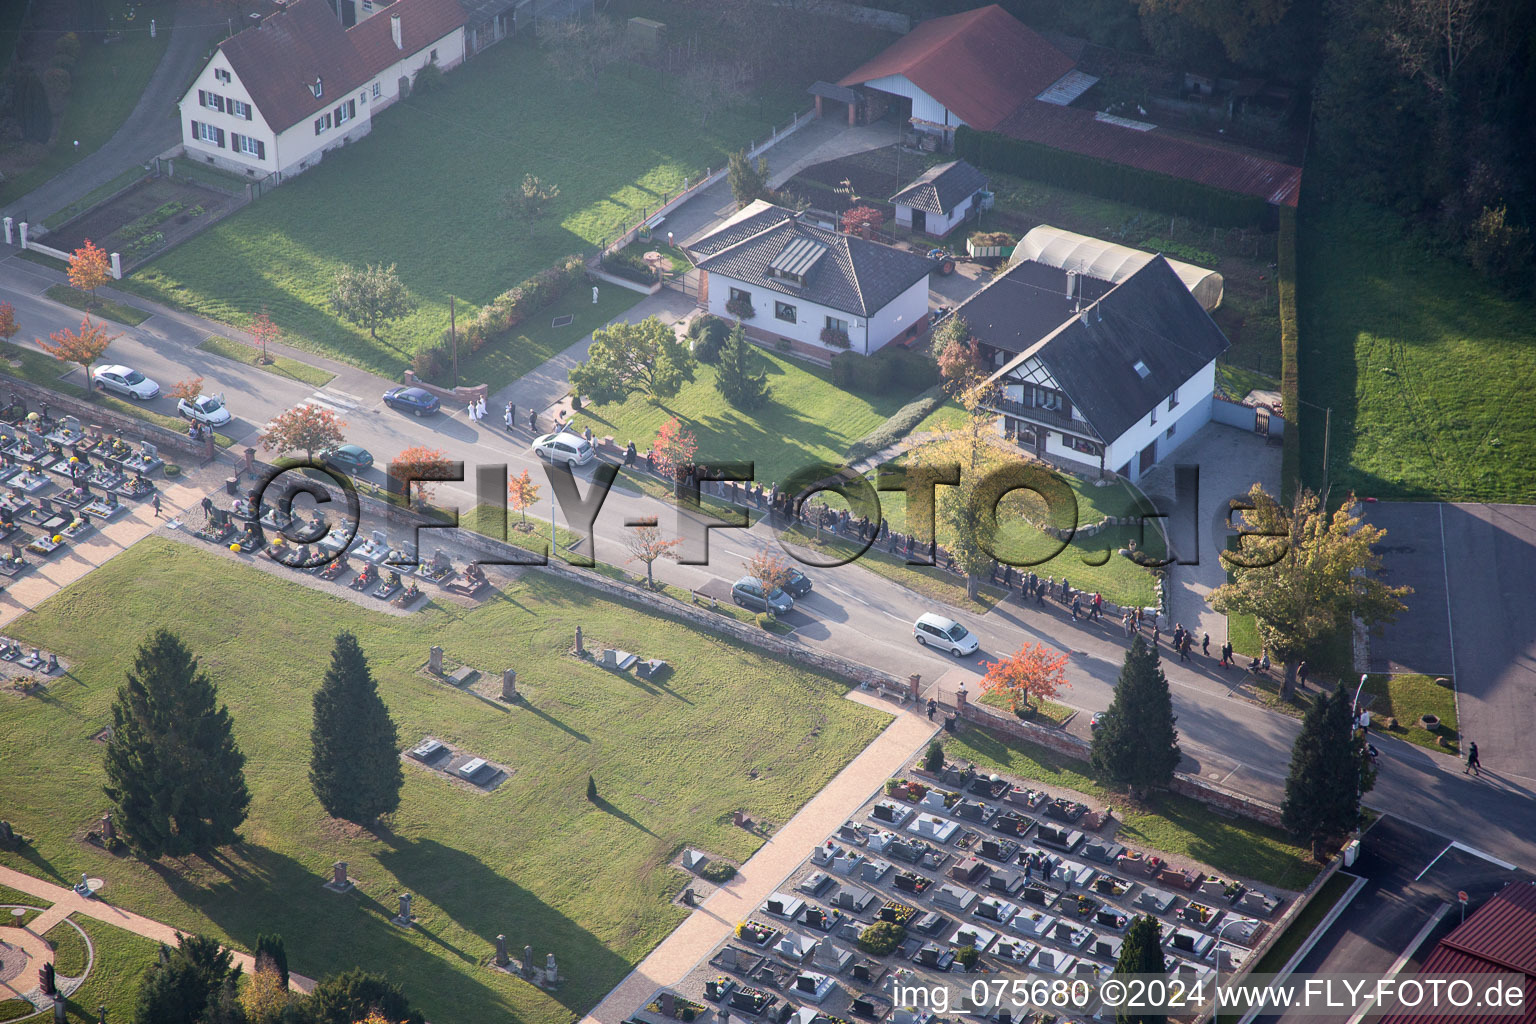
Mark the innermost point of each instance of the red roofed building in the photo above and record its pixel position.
(1499, 939)
(276, 96)
(989, 71)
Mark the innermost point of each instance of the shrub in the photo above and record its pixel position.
(741, 309)
(783, 345)
(67, 45)
(764, 620)
(832, 337)
(708, 333)
(171, 470)
(855, 219)
(910, 369)
(967, 957)
(882, 938)
(629, 264)
(57, 82)
(428, 78)
(898, 426)
(717, 871)
(934, 759)
(867, 374)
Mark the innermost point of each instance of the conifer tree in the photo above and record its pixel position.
(1330, 770)
(174, 774)
(1141, 953)
(741, 379)
(195, 983)
(355, 748)
(1136, 744)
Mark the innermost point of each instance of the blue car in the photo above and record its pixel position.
(412, 400)
(349, 458)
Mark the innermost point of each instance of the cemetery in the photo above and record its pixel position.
(57, 477)
(457, 764)
(1027, 907)
(671, 766)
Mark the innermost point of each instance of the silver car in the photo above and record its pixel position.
(945, 634)
(125, 381)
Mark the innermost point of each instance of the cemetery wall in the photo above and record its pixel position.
(750, 634)
(1063, 742)
(113, 422)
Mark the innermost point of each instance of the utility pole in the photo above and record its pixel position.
(1327, 436)
(453, 335)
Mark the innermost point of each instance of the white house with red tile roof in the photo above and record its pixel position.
(277, 96)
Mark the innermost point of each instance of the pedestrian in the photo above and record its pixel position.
(1029, 866)
(1205, 645)
(1301, 675)
(1474, 763)
(1157, 634)
(587, 433)
(154, 503)
(1178, 635)
(1189, 641)
(1098, 605)
(1075, 607)
(533, 421)
(933, 707)
(1039, 595)
(1264, 663)
(511, 416)
(629, 454)
(472, 412)
(1226, 654)
(1066, 590)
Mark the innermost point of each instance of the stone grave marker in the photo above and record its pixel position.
(509, 685)
(339, 881)
(501, 951)
(403, 919)
(435, 660)
(551, 973)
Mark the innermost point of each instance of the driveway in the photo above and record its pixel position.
(1470, 617)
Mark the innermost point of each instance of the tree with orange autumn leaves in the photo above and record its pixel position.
(89, 268)
(84, 348)
(1035, 672)
(8, 327)
(417, 463)
(522, 494)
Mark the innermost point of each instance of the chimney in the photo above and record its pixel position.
(394, 31)
(1071, 279)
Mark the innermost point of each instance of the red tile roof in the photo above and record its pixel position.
(279, 60)
(1499, 938)
(1075, 130)
(979, 64)
(422, 23)
(988, 67)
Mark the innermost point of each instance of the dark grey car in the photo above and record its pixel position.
(748, 592)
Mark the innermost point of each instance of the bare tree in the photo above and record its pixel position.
(1433, 39)
(711, 85)
(582, 50)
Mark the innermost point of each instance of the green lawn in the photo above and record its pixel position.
(446, 158)
(69, 951)
(505, 359)
(1426, 368)
(1176, 825)
(728, 730)
(122, 958)
(1306, 922)
(106, 83)
(99, 308)
(807, 420)
(280, 365)
(1405, 698)
(930, 581)
(1089, 563)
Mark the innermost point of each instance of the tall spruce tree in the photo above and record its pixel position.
(194, 983)
(741, 379)
(1136, 744)
(174, 774)
(1141, 953)
(1330, 770)
(350, 996)
(354, 763)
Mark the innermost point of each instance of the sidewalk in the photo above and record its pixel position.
(66, 902)
(709, 925)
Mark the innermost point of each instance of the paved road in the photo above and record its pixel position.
(150, 129)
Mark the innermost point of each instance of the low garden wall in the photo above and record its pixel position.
(89, 415)
(462, 395)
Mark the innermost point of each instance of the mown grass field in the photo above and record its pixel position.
(1426, 367)
(444, 159)
(1405, 697)
(533, 859)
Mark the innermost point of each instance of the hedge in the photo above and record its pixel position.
(1290, 449)
(1109, 180)
(898, 426)
(890, 367)
(501, 315)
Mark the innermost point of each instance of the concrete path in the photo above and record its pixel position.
(66, 902)
(150, 130)
(737, 900)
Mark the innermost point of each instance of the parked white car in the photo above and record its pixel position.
(564, 447)
(945, 635)
(208, 410)
(125, 381)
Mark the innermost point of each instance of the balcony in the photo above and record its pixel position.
(1045, 417)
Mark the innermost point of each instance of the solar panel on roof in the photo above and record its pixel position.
(798, 257)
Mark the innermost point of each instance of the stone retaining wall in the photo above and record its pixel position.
(461, 395)
(90, 415)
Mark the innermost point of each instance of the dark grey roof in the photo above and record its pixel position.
(840, 93)
(940, 189)
(1023, 305)
(798, 257)
(1150, 317)
(851, 275)
(752, 221)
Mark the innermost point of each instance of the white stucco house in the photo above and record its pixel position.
(940, 199)
(1097, 376)
(275, 97)
(784, 278)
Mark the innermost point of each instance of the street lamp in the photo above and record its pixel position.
(1216, 1012)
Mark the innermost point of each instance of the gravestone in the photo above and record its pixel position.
(435, 660)
(580, 650)
(668, 1004)
(404, 919)
(151, 453)
(728, 957)
(501, 951)
(108, 830)
(528, 961)
(339, 881)
(509, 684)
(551, 975)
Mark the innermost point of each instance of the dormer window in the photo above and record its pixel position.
(794, 262)
(318, 88)
(1141, 370)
